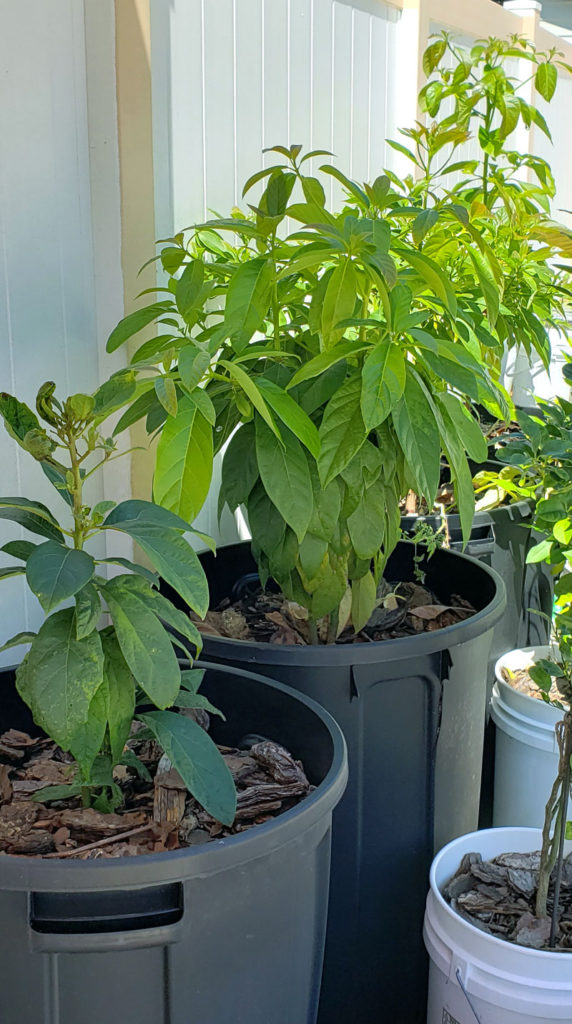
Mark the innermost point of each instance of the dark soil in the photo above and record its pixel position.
(404, 609)
(158, 812)
(498, 896)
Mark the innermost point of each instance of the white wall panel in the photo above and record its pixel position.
(50, 327)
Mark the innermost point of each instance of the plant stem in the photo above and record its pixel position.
(333, 625)
(76, 493)
(85, 796)
(313, 630)
(555, 811)
(562, 832)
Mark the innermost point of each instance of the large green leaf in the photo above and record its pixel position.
(113, 394)
(546, 79)
(174, 617)
(285, 475)
(193, 362)
(339, 302)
(239, 468)
(433, 276)
(184, 462)
(56, 572)
(134, 322)
(460, 471)
(11, 570)
(119, 691)
(418, 435)
(468, 430)
(144, 643)
(487, 283)
(251, 391)
(383, 378)
(247, 300)
(366, 525)
(60, 675)
(32, 515)
(326, 507)
(135, 513)
(166, 393)
(140, 570)
(291, 414)
(197, 760)
(267, 526)
(342, 431)
(173, 557)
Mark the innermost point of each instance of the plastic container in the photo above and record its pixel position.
(412, 711)
(526, 756)
(476, 978)
(230, 931)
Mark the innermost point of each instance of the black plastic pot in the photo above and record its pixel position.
(412, 711)
(231, 931)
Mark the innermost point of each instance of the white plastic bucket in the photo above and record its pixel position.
(475, 978)
(526, 755)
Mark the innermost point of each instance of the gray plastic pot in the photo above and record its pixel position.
(231, 931)
(413, 713)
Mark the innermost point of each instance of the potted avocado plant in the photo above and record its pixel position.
(501, 949)
(329, 365)
(178, 929)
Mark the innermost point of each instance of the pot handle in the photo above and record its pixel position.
(79, 922)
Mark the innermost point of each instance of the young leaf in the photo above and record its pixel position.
(339, 302)
(167, 394)
(17, 640)
(197, 760)
(32, 515)
(418, 434)
(189, 287)
(56, 572)
(60, 675)
(247, 300)
(18, 418)
(433, 55)
(546, 80)
(184, 462)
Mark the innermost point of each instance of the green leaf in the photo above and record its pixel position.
(140, 570)
(87, 610)
(87, 741)
(291, 414)
(433, 55)
(11, 570)
(352, 187)
(460, 472)
(113, 394)
(32, 515)
(434, 277)
(267, 526)
(339, 302)
(366, 525)
(488, 284)
(251, 391)
(383, 377)
(423, 223)
(247, 300)
(418, 435)
(119, 692)
(197, 760)
(188, 287)
(184, 462)
(134, 322)
(285, 475)
(326, 596)
(191, 679)
(239, 468)
(58, 480)
(144, 643)
(56, 572)
(136, 411)
(510, 115)
(174, 558)
(135, 513)
(468, 430)
(342, 431)
(167, 394)
(364, 595)
(326, 508)
(196, 700)
(174, 617)
(59, 677)
(62, 792)
(171, 258)
(17, 640)
(193, 363)
(546, 80)
(312, 553)
(540, 552)
(322, 362)
(18, 418)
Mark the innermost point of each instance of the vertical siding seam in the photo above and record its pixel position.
(234, 103)
(369, 106)
(263, 73)
(204, 107)
(352, 88)
(311, 140)
(333, 96)
(288, 71)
